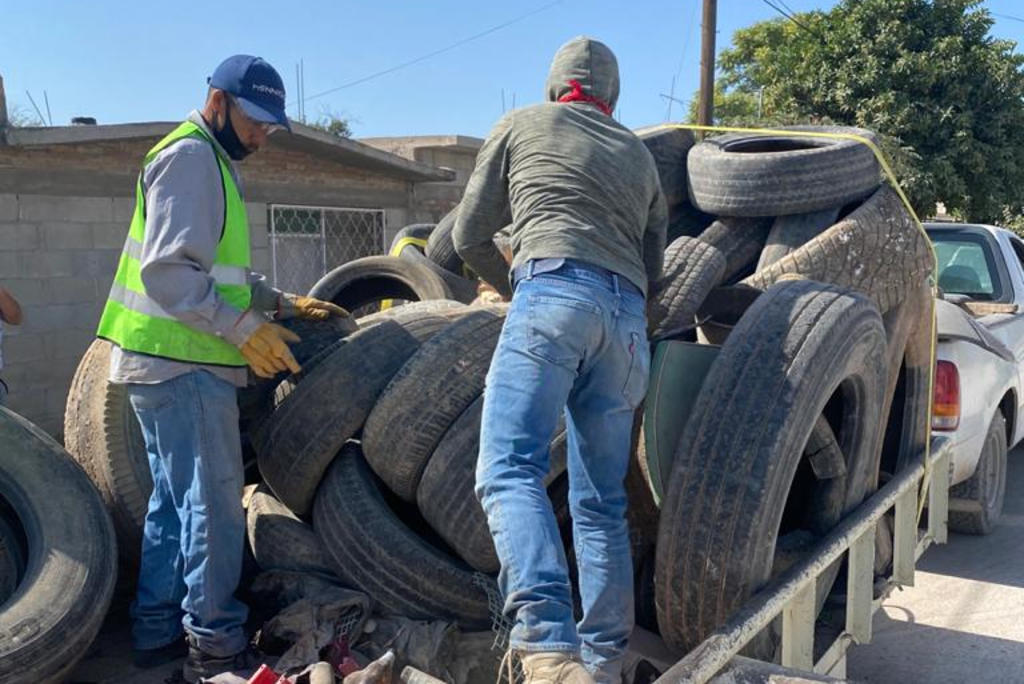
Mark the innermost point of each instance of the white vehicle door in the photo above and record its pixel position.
(1012, 332)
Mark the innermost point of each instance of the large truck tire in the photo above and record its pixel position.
(370, 280)
(331, 403)
(438, 382)
(744, 174)
(61, 600)
(463, 290)
(976, 504)
(692, 268)
(877, 250)
(669, 147)
(788, 233)
(740, 482)
(441, 248)
(104, 437)
(401, 571)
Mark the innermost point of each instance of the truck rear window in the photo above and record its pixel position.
(966, 265)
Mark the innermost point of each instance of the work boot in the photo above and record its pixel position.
(201, 665)
(553, 667)
(147, 658)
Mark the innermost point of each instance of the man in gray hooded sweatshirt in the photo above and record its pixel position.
(588, 232)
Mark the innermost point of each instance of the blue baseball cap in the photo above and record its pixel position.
(256, 86)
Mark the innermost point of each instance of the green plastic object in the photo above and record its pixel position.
(678, 370)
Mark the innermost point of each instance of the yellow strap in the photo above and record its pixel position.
(925, 480)
(397, 248)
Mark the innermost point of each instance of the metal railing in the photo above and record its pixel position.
(793, 594)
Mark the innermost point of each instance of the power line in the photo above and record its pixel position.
(795, 21)
(435, 53)
(1007, 16)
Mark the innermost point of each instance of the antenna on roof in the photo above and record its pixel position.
(42, 121)
(46, 99)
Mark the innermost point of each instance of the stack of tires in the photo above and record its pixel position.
(813, 278)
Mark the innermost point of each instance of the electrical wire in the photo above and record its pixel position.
(435, 53)
(793, 19)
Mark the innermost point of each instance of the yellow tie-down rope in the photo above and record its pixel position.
(396, 250)
(884, 163)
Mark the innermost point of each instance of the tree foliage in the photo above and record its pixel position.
(925, 74)
(333, 123)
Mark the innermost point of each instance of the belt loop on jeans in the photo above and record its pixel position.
(529, 268)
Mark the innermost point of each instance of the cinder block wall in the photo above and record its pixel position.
(58, 256)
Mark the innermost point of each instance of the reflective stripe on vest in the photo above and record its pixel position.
(134, 321)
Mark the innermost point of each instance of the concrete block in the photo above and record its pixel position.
(49, 264)
(50, 318)
(24, 348)
(63, 235)
(124, 209)
(259, 235)
(97, 263)
(261, 261)
(74, 290)
(8, 207)
(27, 291)
(10, 264)
(256, 213)
(109, 235)
(19, 236)
(79, 209)
(68, 346)
(27, 402)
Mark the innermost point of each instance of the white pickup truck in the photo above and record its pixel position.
(978, 398)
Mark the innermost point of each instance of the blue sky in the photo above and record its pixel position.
(125, 61)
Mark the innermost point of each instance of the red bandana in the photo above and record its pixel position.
(577, 95)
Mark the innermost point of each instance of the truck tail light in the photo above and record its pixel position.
(946, 402)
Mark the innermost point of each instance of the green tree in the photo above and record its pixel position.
(333, 123)
(925, 74)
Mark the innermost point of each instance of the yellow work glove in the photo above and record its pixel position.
(267, 352)
(297, 306)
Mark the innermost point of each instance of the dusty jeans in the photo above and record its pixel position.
(193, 536)
(574, 340)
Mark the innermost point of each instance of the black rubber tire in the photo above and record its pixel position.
(370, 280)
(415, 231)
(104, 437)
(979, 500)
(279, 540)
(399, 570)
(669, 147)
(256, 400)
(740, 241)
(13, 557)
(686, 219)
(331, 403)
(744, 174)
(691, 270)
(877, 250)
(446, 497)
(434, 387)
(47, 625)
(440, 247)
(791, 232)
(463, 289)
(801, 350)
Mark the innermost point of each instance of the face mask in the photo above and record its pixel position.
(228, 139)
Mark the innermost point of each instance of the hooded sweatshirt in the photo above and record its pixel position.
(578, 184)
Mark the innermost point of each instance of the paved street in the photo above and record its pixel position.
(963, 621)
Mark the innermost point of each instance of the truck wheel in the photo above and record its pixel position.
(740, 482)
(742, 174)
(367, 281)
(401, 571)
(427, 394)
(692, 268)
(66, 535)
(877, 250)
(976, 504)
(331, 403)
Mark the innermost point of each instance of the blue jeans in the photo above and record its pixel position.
(575, 340)
(194, 533)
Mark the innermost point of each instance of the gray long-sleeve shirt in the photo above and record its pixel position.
(184, 217)
(580, 186)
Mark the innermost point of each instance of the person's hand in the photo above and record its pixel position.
(298, 306)
(267, 352)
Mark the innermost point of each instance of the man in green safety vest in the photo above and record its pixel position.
(188, 318)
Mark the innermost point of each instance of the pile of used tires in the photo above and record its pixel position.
(57, 556)
(788, 253)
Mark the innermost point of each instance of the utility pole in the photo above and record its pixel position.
(705, 110)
